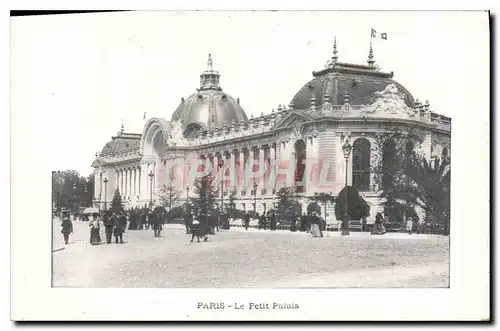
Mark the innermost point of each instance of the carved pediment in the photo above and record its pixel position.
(293, 119)
(389, 102)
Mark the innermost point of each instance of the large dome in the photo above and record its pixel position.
(340, 80)
(209, 107)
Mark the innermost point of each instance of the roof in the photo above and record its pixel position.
(357, 83)
(209, 106)
(123, 142)
(212, 108)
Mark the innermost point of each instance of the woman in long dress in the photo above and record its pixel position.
(95, 237)
(315, 225)
(378, 227)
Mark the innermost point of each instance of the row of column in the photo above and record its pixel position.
(146, 183)
(128, 181)
(238, 163)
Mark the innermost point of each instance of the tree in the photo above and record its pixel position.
(287, 207)
(167, 197)
(205, 200)
(231, 209)
(431, 190)
(71, 191)
(313, 207)
(393, 153)
(357, 207)
(116, 203)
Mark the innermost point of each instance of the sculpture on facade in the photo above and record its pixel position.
(391, 102)
(175, 134)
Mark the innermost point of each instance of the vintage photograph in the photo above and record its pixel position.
(316, 157)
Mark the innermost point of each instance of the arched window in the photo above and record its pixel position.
(361, 164)
(300, 167)
(192, 130)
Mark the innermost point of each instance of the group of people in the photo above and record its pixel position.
(114, 224)
(311, 223)
(379, 228)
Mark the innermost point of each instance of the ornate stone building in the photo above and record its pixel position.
(298, 146)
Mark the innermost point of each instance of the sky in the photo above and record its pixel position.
(75, 78)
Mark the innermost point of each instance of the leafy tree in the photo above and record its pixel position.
(287, 208)
(116, 203)
(392, 154)
(205, 200)
(231, 209)
(431, 190)
(349, 201)
(71, 191)
(167, 197)
(313, 207)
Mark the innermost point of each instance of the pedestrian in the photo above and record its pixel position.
(262, 221)
(247, 221)
(147, 221)
(315, 225)
(66, 226)
(109, 223)
(378, 226)
(188, 221)
(409, 225)
(155, 223)
(120, 224)
(95, 237)
(272, 221)
(294, 220)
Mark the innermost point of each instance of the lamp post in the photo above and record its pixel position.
(105, 192)
(187, 195)
(151, 175)
(254, 197)
(346, 148)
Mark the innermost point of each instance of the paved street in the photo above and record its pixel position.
(237, 258)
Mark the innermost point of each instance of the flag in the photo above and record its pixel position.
(144, 117)
(382, 35)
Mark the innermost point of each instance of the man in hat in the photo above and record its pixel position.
(109, 223)
(66, 225)
(247, 221)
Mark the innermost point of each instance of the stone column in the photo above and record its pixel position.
(272, 174)
(134, 172)
(124, 192)
(140, 180)
(241, 170)
(131, 182)
(262, 166)
(232, 170)
(119, 181)
(96, 187)
(126, 182)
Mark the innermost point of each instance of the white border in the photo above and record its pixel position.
(34, 299)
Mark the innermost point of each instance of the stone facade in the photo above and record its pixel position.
(263, 151)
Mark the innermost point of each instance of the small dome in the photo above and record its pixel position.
(358, 82)
(209, 107)
(124, 142)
